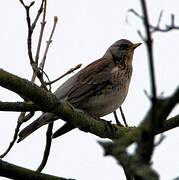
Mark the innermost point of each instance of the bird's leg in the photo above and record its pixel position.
(123, 117)
(116, 118)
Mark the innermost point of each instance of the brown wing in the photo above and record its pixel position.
(90, 80)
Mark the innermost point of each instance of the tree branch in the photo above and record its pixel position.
(136, 164)
(16, 172)
(49, 103)
(47, 147)
(18, 106)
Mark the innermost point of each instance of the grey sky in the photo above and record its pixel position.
(86, 28)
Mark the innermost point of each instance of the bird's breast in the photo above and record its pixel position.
(111, 97)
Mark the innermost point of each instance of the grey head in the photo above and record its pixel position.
(120, 49)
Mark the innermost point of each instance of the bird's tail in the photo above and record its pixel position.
(64, 129)
(42, 120)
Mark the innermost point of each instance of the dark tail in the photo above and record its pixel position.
(42, 120)
(64, 129)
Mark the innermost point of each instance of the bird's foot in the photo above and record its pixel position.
(108, 125)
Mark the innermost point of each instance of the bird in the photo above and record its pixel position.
(98, 89)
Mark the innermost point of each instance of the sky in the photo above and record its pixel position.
(85, 29)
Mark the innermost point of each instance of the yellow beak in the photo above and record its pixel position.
(136, 45)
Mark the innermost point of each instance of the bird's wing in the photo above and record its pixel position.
(90, 80)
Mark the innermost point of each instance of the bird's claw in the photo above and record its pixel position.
(109, 125)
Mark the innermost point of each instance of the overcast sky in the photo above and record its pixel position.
(86, 28)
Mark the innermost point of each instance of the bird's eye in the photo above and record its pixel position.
(124, 46)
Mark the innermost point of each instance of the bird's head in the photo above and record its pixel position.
(121, 50)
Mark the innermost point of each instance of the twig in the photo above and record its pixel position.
(47, 148)
(29, 42)
(41, 32)
(68, 72)
(46, 75)
(48, 43)
(167, 28)
(38, 14)
(13, 140)
(44, 2)
(19, 123)
(157, 28)
(27, 117)
(30, 30)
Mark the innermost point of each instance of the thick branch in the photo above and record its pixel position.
(16, 172)
(18, 106)
(133, 165)
(169, 124)
(49, 103)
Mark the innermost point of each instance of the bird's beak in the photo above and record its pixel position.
(136, 45)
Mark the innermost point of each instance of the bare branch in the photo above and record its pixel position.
(41, 32)
(48, 43)
(68, 72)
(47, 148)
(13, 141)
(38, 14)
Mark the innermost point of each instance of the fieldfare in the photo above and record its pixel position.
(99, 88)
